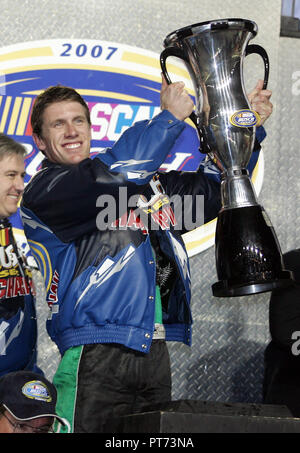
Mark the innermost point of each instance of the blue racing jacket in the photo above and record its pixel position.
(100, 259)
(18, 325)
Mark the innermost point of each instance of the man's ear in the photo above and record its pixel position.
(39, 142)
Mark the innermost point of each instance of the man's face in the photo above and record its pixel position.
(9, 424)
(66, 133)
(12, 172)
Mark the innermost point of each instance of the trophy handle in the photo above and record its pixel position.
(255, 48)
(175, 52)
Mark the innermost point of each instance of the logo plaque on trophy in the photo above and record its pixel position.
(248, 255)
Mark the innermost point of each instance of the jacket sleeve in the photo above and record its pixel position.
(66, 199)
(196, 198)
(140, 151)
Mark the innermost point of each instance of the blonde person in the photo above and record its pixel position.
(18, 329)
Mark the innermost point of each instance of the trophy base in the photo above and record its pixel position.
(248, 256)
(225, 289)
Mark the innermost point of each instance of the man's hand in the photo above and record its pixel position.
(176, 99)
(260, 102)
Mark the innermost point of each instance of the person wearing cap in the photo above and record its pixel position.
(27, 403)
(18, 326)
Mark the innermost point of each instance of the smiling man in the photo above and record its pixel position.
(18, 330)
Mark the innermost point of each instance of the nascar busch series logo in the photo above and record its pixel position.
(121, 85)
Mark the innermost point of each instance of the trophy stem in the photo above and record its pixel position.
(237, 190)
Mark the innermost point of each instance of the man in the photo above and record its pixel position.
(117, 288)
(27, 404)
(18, 330)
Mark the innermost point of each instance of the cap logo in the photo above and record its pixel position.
(36, 390)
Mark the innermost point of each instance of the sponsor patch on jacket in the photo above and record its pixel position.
(14, 281)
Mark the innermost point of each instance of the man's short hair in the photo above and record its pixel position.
(8, 146)
(51, 95)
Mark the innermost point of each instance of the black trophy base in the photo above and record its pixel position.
(225, 289)
(248, 256)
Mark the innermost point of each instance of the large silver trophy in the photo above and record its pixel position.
(248, 256)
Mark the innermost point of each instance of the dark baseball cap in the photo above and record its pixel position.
(28, 395)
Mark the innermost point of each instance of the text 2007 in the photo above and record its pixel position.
(83, 50)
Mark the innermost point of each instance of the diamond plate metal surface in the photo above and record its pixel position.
(225, 362)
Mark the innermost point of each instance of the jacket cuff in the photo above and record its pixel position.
(170, 119)
(260, 134)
